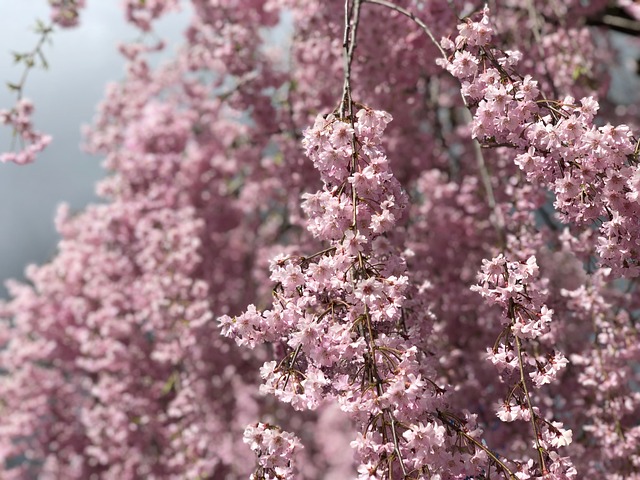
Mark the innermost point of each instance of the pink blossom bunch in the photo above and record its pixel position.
(344, 317)
(557, 144)
(66, 13)
(31, 141)
(606, 373)
(275, 450)
(514, 287)
(142, 13)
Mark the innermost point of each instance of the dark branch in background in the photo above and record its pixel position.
(616, 18)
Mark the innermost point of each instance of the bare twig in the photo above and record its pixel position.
(460, 430)
(409, 14)
(351, 20)
(498, 222)
(29, 58)
(396, 446)
(525, 389)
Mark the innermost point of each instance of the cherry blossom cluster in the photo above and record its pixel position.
(128, 376)
(592, 170)
(66, 13)
(275, 450)
(380, 200)
(606, 378)
(143, 13)
(515, 287)
(508, 284)
(344, 318)
(31, 141)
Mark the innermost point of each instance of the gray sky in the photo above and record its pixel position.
(82, 60)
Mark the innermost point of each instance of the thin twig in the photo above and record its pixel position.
(29, 58)
(409, 14)
(351, 21)
(537, 35)
(499, 222)
(448, 421)
(396, 445)
(525, 389)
